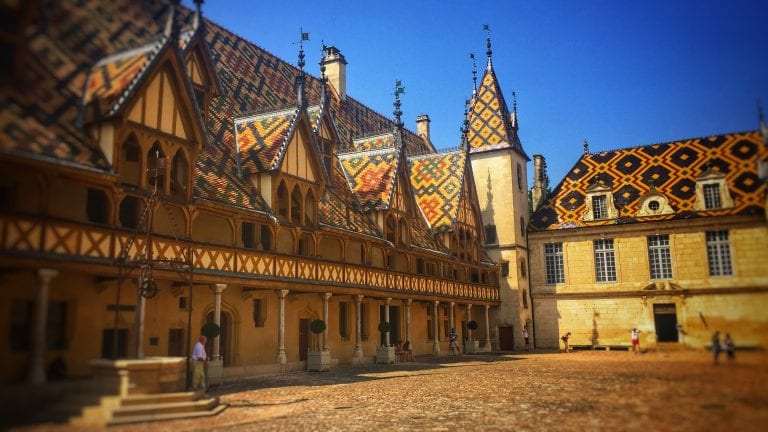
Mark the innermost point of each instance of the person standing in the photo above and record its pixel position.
(199, 360)
(730, 347)
(635, 334)
(453, 345)
(566, 337)
(715, 346)
(525, 336)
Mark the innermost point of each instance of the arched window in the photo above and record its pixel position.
(403, 230)
(306, 245)
(179, 174)
(156, 167)
(522, 226)
(390, 228)
(130, 162)
(282, 202)
(309, 208)
(296, 205)
(130, 208)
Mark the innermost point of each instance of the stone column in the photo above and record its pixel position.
(140, 307)
(408, 320)
(357, 354)
(326, 297)
(217, 290)
(487, 329)
(281, 326)
(469, 318)
(39, 317)
(436, 328)
(451, 321)
(386, 318)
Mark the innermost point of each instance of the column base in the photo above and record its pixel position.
(319, 361)
(385, 355)
(281, 358)
(487, 346)
(215, 372)
(471, 347)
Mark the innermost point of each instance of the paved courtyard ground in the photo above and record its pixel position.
(584, 390)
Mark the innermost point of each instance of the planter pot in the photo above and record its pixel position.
(385, 355)
(471, 347)
(319, 361)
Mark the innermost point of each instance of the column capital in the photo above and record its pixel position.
(469, 305)
(387, 300)
(487, 307)
(453, 304)
(408, 302)
(359, 298)
(436, 302)
(327, 295)
(46, 274)
(218, 288)
(283, 293)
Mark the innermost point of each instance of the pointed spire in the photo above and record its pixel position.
(399, 89)
(171, 25)
(197, 19)
(465, 127)
(514, 111)
(323, 78)
(301, 77)
(586, 146)
(489, 52)
(474, 74)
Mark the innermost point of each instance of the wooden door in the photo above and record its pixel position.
(507, 338)
(303, 338)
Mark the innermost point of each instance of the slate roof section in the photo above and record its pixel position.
(671, 169)
(371, 175)
(437, 180)
(261, 140)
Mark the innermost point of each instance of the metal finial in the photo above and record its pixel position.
(514, 102)
(474, 73)
(489, 52)
(465, 123)
(586, 146)
(302, 37)
(322, 61)
(399, 89)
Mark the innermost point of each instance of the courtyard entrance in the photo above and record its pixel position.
(665, 318)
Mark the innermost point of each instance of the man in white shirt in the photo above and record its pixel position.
(199, 360)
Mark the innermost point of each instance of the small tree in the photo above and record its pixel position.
(384, 327)
(210, 330)
(316, 327)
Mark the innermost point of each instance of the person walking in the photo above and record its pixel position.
(635, 334)
(715, 346)
(730, 347)
(566, 337)
(525, 336)
(454, 346)
(199, 361)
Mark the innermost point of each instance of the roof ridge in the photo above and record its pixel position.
(673, 141)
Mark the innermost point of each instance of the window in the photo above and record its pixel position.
(419, 266)
(525, 298)
(96, 206)
(306, 245)
(446, 324)
(719, 253)
(364, 321)
(553, 262)
(490, 234)
(130, 166)
(522, 226)
(505, 268)
(599, 207)
(5, 197)
(343, 320)
(183, 301)
(179, 174)
(282, 202)
(659, 257)
(266, 238)
(712, 196)
(403, 228)
(296, 205)
(309, 208)
(249, 235)
(259, 312)
(176, 342)
(522, 269)
(519, 177)
(390, 228)
(129, 212)
(156, 167)
(605, 261)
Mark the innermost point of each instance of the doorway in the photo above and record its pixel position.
(507, 338)
(108, 343)
(303, 338)
(665, 318)
(394, 325)
(225, 350)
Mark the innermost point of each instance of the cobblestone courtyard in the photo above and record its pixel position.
(548, 391)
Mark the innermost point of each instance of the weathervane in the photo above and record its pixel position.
(586, 146)
(474, 73)
(302, 37)
(399, 89)
(488, 43)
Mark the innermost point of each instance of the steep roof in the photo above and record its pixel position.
(670, 169)
(437, 181)
(371, 173)
(261, 140)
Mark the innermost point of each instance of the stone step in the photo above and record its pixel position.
(153, 409)
(159, 398)
(143, 418)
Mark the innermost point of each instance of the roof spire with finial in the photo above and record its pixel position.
(474, 74)
(514, 111)
(465, 127)
(323, 78)
(399, 89)
(300, 96)
(488, 44)
(171, 25)
(586, 146)
(197, 19)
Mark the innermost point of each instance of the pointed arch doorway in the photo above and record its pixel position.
(225, 337)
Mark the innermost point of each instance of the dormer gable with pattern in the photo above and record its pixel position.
(199, 65)
(600, 204)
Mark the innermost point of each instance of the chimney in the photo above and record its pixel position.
(540, 181)
(336, 70)
(422, 126)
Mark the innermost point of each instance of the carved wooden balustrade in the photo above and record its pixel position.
(81, 242)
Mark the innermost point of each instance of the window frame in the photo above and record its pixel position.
(605, 260)
(719, 257)
(554, 265)
(659, 257)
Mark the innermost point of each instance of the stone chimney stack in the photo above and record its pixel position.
(540, 181)
(422, 126)
(336, 70)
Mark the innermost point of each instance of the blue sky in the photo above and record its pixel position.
(620, 73)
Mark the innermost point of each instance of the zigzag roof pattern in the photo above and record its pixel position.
(371, 175)
(490, 125)
(262, 139)
(670, 169)
(437, 181)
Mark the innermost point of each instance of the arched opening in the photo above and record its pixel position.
(130, 161)
(171, 220)
(130, 212)
(377, 257)
(285, 241)
(282, 202)
(225, 337)
(211, 228)
(310, 208)
(355, 252)
(306, 245)
(419, 265)
(156, 167)
(179, 174)
(403, 231)
(296, 205)
(390, 228)
(330, 249)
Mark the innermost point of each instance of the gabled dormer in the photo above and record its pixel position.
(325, 131)
(712, 191)
(599, 202)
(139, 106)
(198, 61)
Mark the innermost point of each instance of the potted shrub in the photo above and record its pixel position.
(471, 346)
(318, 359)
(385, 354)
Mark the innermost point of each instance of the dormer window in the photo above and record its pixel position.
(599, 202)
(599, 208)
(712, 196)
(712, 191)
(654, 204)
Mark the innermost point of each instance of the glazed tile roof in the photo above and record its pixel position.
(670, 169)
(261, 140)
(371, 175)
(337, 213)
(437, 181)
(490, 124)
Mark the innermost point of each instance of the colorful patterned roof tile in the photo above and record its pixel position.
(338, 213)
(437, 181)
(371, 176)
(375, 142)
(261, 140)
(490, 125)
(422, 238)
(670, 169)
